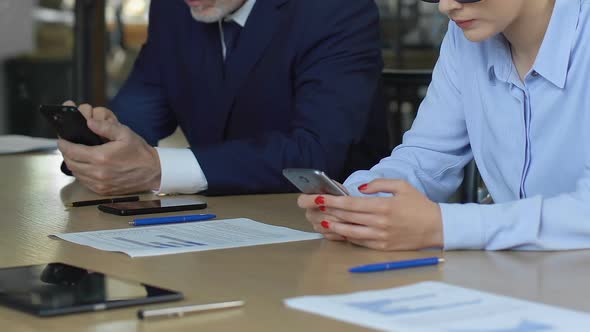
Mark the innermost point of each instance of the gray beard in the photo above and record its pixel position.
(217, 15)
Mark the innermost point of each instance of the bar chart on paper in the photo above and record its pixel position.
(187, 237)
(174, 243)
(435, 307)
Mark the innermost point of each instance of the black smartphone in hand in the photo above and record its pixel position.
(153, 206)
(70, 124)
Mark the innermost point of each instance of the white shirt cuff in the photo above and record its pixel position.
(181, 172)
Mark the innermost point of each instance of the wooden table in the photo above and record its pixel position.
(31, 202)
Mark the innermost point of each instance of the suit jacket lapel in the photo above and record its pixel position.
(254, 39)
(206, 83)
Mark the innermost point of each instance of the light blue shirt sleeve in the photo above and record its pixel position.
(436, 149)
(530, 139)
(538, 223)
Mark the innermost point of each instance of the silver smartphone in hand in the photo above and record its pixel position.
(312, 181)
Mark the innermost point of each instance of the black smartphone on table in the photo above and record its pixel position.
(313, 181)
(58, 289)
(153, 206)
(70, 124)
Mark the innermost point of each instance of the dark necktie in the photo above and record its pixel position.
(231, 33)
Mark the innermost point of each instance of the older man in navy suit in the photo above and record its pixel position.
(255, 85)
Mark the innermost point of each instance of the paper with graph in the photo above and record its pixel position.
(435, 306)
(187, 237)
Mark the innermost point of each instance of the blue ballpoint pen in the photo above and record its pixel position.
(171, 220)
(396, 265)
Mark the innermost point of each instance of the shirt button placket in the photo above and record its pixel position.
(527, 151)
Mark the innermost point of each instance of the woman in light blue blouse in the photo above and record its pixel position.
(511, 89)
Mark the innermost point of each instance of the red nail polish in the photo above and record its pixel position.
(322, 208)
(363, 187)
(325, 224)
(320, 200)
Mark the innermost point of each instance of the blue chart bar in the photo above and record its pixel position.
(143, 244)
(180, 244)
(524, 326)
(160, 244)
(181, 241)
(387, 307)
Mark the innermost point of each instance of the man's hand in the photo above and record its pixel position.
(406, 221)
(125, 164)
(97, 113)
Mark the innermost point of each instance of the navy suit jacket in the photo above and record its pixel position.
(300, 90)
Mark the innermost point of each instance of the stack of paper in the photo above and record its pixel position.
(20, 143)
(187, 237)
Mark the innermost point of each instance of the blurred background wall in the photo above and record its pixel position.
(16, 37)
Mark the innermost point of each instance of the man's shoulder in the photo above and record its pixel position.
(331, 6)
(168, 9)
(323, 15)
(168, 5)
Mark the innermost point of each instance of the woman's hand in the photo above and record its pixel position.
(406, 221)
(315, 208)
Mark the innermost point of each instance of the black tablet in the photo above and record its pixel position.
(58, 289)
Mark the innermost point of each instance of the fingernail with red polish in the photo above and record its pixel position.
(325, 224)
(363, 187)
(320, 200)
(322, 208)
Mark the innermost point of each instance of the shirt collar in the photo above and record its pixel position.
(499, 58)
(241, 15)
(554, 55)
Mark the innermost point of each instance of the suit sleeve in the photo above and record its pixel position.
(141, 103)
(336, 75)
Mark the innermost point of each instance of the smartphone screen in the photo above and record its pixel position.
(153, 206)
(312, 181)
(70, 124)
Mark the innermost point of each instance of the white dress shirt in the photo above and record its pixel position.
(181, 171)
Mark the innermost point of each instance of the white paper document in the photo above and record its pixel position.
(187, 237)
(20, 143)
(435, 306)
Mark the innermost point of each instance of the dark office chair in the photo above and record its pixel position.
(31, 81)
(404, 91)
(473, 188)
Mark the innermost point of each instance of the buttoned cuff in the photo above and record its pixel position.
(181, 172)
(462, 226)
